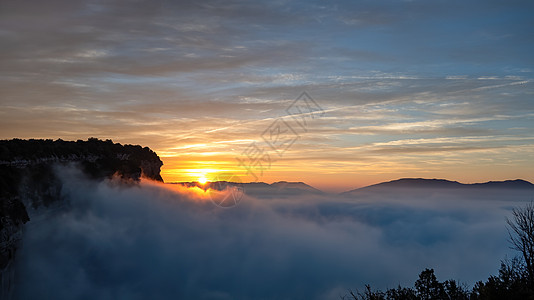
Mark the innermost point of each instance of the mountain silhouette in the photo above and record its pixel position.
(287, 188)
(262, 189)
(422, 185)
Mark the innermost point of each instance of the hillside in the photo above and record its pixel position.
(262, 189)
(424, 187)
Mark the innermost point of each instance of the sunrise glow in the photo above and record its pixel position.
(165, 149)
(380, 104)
(202, 180)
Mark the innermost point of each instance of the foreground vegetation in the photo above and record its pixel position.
(515, 279)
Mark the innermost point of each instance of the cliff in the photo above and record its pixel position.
(27, 177)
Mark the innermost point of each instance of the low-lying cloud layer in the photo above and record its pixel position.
(156, 241)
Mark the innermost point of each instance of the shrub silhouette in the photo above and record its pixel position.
(514, 282)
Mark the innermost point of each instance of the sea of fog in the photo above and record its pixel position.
(160, 241)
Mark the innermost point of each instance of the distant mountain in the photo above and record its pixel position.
(280, 189)
(421, 184)
(507, 184)
(295, 185)
(262, 189)
(415, 185)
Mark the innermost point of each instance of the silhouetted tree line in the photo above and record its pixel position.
(514, 282)
(97, 158)
(33, 149)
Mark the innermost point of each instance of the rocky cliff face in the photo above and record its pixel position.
(28, 178)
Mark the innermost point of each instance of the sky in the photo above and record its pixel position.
(434, 89)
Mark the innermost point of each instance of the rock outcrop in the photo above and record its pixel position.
(28, 177)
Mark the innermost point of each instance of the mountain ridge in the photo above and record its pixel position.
(423, 183)
(414, 183)
(260, 189)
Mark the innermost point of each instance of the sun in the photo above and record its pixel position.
(202, 179)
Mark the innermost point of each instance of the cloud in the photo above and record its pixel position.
(156, 241)
(170, 74)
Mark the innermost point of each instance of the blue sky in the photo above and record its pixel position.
(410, 88)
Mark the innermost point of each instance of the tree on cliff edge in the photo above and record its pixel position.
(521, 232)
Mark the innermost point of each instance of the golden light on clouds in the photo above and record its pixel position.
(199, 99)
(332, 168)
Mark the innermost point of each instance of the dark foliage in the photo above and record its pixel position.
(98, 159)
(426, 287)
(521, 232)
(514, 282)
